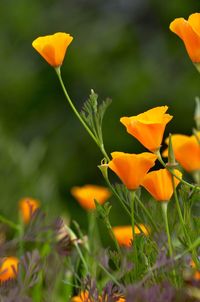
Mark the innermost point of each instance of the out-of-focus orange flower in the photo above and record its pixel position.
(196, 272)
(85, 195)
(131, 168)
(53, 47)
(148, 127)
(159, 184)
(8, 268)
(27, 208)
(84, 297)
(186, 151)
(124, 234)
(189, 32)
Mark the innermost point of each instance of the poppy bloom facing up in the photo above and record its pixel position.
(148, 127)
(27, 208)
(85, 195)
(53, 47)
(159, 184)
(131, 168)
(124, 234)
(186, 151)
(189, 32)
(8, 268)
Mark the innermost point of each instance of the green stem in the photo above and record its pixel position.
(174, 174)
(132, 212)
(187, 237)
(164, 210)
(73, 237)
(117, 195)
(9, 223)
(147, 213)
(58, 72)
(111, 277)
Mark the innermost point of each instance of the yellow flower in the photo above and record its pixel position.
(8, 268)
(131, 168)
(148, 127)
(85, 195)
(27, 208)
(186, 151)
(53, 47)
(159, 184)
(124, 234)
(189, 32)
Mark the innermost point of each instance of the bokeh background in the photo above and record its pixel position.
(122, 49)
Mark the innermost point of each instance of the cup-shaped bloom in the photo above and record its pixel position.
(131, 168)
(8, 268)
(124, 234)
(186, 150)
(189, 32)
(53, 47)
(160, 185)
(148, 127)
(86, 195)
(27, 207)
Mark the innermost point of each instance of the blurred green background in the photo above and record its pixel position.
(122, 49)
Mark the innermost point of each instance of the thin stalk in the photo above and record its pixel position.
(73, 237)
(117, 195)
(164, 210)
(132, 212)
(9, 223)
(58, 72)
(174, 174)
(194, 253)
(109, 275)
(147, 213)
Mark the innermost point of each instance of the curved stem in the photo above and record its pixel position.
(9, 223)
(194, 253)
(147, 213)
(174, 174)
(58, 72)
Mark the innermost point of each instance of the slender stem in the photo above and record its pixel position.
(109, 275)
(117, 196)
(164, 209)
(174, 174)
(132, 212)
(194, 254)
(147, 213)
(58, 72)
(9, 223)
(73, 237)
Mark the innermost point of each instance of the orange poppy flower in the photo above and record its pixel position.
(131, 168)
(186, 151)
(85, 195)
(8, 268)
(27, 208)
(159, 184)
(124, 234)
(148, 127)
(189, 32)
(53, 47)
